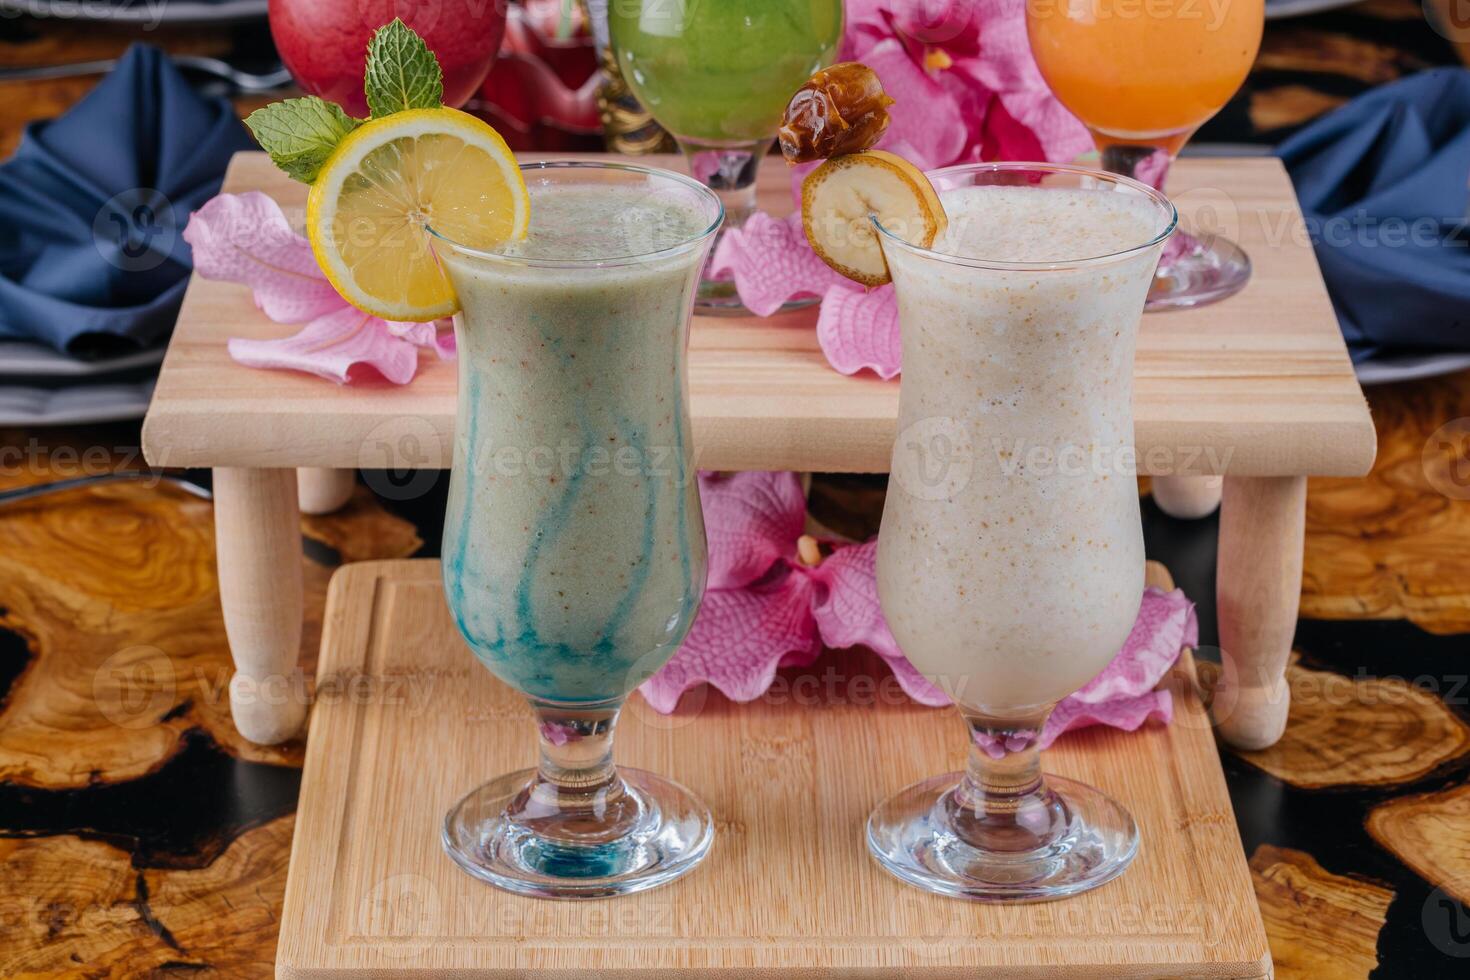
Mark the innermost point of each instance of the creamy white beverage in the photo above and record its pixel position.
(1010, 561)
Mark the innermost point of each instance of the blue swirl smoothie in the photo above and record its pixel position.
(574, 547)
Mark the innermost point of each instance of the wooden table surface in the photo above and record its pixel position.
(1259, 386)
(139, 835)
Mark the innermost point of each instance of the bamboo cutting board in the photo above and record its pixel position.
(406, 721)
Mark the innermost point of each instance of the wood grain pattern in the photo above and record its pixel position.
(113, 591)
(1395, 544)
(77, 908)
(1370, 731)
(1258, 385)
(370, 891)
(1291, 106)
(1411, 566)
(362, 529)
(1322, 926)
(1427, 832)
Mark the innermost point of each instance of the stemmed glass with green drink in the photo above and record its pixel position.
(717, 74)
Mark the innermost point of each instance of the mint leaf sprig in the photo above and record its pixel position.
(301, 134)
(402, 73)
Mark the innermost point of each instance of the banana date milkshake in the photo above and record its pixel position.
(1010, 558)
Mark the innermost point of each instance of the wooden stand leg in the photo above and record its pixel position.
(1187, 497)
(258, 548)
(321, 490)
(1258, 587)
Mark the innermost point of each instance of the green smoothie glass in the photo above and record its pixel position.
(574, 551)
(718, 74)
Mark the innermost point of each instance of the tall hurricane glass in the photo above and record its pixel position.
(1143, 78)
(718, 74)
(1010, 558)
(574, 548)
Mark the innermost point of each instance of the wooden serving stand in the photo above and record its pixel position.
(788, 889)
(1258, 389)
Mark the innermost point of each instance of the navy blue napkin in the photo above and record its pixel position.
(1384, 184)
(92, 204)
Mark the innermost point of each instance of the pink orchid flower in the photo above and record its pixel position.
(968, 65)
(246, 238)
(768, 607)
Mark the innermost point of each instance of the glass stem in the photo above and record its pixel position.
(1150, 165)
(577, 795)
(1147, 164)
(1003, 804)
(729, 170)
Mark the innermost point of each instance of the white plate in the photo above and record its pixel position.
(28, 359)
(81, 404)
(1410, 367)
(151, 12)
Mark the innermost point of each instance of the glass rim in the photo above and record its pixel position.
(1059, 265)
(598, 262)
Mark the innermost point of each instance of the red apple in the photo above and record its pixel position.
(324, 42)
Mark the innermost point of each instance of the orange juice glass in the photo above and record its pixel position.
(1143, 75)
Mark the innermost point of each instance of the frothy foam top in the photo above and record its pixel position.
(1033, 224)
(592, 222)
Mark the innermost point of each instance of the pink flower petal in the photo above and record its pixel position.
(752, 521)
(857, 329)
(847, 614)
(1125, 714)
(925, 115)
(739, 638)
(437, 336)
(1123, 695)
(771, 263)
(1004, 137)
(245, 238)
(1166, 623)
(1005, 66)
(335, 346)
(951, 26)
(867, 23)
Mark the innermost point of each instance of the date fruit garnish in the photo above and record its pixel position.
(841, 109)
(841, 197)
(837, 115)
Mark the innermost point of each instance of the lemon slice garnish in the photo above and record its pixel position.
(370, 208)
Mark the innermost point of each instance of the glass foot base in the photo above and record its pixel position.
(669, 834)
(718, 296)
(911, 836)
(1201, 273)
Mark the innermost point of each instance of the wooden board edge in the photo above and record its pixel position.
(346, 594)
(349, 586)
